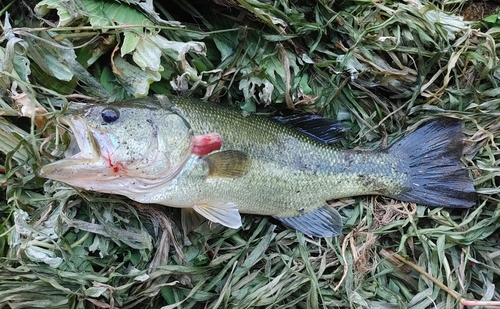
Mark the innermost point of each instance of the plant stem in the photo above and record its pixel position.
(457, 296)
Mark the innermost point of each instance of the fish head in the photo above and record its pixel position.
(123, 148)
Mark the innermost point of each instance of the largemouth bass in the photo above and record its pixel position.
(190, 154)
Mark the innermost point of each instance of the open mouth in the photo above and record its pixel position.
(73, 147)
(83, 149)
(83, 144)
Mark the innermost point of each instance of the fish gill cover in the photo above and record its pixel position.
(382, 68)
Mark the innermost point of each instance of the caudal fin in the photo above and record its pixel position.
(437, 177)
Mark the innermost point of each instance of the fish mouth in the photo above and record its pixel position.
(83, 150)
(83, 144)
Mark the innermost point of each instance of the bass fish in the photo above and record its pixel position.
(186, 153)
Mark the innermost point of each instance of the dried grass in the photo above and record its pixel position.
(381, 67)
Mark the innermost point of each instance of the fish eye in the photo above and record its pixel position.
(110, 115)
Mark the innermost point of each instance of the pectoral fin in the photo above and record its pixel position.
(190, 220)
(227, 215)
(227, 163)
(322, 222)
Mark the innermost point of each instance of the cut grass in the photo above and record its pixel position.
(382, 68)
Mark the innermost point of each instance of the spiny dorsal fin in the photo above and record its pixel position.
(324, 130)
(227, 163)
(322, 222)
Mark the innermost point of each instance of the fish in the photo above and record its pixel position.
(195, 155)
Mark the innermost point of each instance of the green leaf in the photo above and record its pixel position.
(491, 18)
(130, 42)
(134, 80)
(65, 16)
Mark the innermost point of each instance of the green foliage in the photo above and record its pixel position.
(383, 68)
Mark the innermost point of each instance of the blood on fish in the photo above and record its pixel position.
(206, 143)
(117, 166)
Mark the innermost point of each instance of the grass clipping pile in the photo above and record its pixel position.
(381, 68)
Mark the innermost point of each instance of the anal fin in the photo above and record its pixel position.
(227, 214)
(322, 222)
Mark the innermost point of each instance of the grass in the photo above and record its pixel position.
(383, 68)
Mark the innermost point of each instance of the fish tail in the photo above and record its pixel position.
(436, 175)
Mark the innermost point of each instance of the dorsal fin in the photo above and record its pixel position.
(324, 130)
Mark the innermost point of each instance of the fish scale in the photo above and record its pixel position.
(302, 172)
(262, 166)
